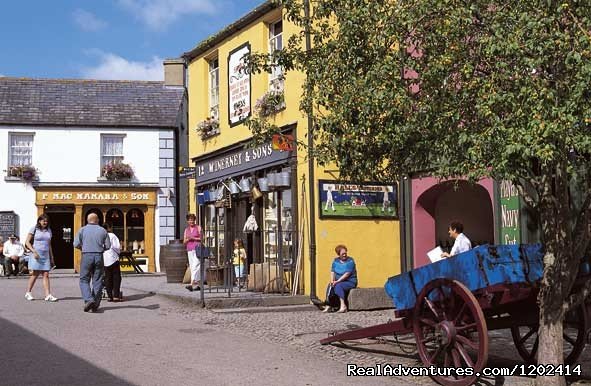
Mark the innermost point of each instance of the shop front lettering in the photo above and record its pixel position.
(236, 160)
(94, 196)
(510, 217)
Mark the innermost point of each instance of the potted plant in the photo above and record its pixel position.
(117, 171)
(25, 172)
(270, 103)
(209, 127)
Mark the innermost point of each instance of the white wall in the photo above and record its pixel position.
(72, 155)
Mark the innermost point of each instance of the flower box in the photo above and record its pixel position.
(24, 172)
(208, 128)
(117, 171)
(270, 103)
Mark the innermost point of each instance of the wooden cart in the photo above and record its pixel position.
(451, 305)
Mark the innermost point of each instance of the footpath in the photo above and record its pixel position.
(213, 297)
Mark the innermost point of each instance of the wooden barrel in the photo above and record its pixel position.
(174, 257)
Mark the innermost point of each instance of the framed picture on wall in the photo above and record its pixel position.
(369, 200)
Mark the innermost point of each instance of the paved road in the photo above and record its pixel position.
(147, 340)
(152, 340)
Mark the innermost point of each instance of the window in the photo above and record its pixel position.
(276, 44)
(21, 149)
(111, 149)
(214, 88)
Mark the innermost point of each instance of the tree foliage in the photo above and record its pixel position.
(458, 88)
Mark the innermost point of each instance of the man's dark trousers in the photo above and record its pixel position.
(92, 266)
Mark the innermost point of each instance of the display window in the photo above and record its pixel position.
(214, 226)
(128, 225)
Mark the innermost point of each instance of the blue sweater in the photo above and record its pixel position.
(92, 238)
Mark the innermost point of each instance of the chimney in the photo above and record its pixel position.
(174, 72)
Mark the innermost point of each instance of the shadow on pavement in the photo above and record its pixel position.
(149, 307)
(36, 361)
(128, 298)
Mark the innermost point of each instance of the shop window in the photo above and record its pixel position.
(213, 232)
(214, 88)
(134, 225)
(20, 151)
(115, 217)
(111, 149)
(276, 77)
(96, 211)
(270, 226)
(287, 234)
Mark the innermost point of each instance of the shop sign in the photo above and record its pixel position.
(238, 162)
(238, 85)
(510, 213)
(126, 266)
(8, 224)
(93, 196)
(367, 200)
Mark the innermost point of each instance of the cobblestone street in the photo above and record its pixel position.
(304, 328)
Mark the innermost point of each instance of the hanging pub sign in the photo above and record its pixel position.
(510, 210)
(238, 85)
(367, 200)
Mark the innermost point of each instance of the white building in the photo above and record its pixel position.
(68, 130)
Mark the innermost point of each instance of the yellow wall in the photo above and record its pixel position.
(374, 244)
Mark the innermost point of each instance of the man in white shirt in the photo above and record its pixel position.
(461, 243)
(13, 251)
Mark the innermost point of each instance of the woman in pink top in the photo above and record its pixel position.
(192, 238)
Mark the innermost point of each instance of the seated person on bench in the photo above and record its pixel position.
(13, 253)
(343, 278)
(461, 243)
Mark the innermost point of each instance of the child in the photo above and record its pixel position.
(239, 260)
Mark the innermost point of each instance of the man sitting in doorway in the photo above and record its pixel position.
(13, 252)
(461, 243)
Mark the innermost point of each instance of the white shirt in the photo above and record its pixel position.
(111, 255)
(462, 244)
(13, 249)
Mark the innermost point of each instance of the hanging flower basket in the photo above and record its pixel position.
(117, 171)
(270, 103)
(208, 128)
(27, 173)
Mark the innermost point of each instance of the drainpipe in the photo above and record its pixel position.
(311, 182)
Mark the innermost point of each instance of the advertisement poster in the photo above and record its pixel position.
(238, 85)
(510, 210)
(368, 200)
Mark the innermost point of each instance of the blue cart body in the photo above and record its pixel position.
(477, 268)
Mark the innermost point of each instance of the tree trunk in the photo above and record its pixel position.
(550, 351)
(559, 266)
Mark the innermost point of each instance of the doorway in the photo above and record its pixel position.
(62, 225)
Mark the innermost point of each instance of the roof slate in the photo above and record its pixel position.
(76, 102)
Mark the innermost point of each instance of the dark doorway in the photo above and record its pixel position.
(62, 225)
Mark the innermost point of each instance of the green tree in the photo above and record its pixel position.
(476, 89)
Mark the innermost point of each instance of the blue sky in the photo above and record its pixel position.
(106, 39)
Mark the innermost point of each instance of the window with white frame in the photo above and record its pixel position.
(20, 152)
(276, 76)
(111, 149)
(214, 88)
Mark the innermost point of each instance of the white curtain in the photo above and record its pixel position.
(21, 149)
(112, 149)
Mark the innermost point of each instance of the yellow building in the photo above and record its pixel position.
(222, 95)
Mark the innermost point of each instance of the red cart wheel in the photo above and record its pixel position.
(450, 330)
(574, 332)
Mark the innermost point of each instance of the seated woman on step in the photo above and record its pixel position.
(343, 278)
